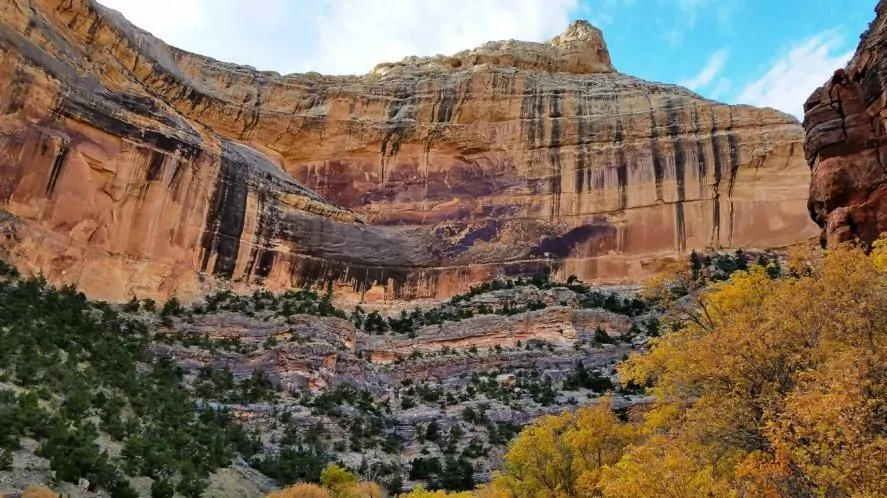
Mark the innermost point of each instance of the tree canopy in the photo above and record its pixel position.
(771, 383)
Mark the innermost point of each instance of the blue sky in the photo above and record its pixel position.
(760, 52)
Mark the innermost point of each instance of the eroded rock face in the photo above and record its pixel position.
(556, 325)
(844, 120)
(132, 167)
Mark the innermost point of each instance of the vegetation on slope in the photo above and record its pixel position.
(766, 386)
(84, 380)
(79, 367)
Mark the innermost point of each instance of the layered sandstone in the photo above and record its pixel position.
(556, 325)
(845, 121)
(129, 166)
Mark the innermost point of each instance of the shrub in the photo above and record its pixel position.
(162, 488)
(35, 491)
(301, 490)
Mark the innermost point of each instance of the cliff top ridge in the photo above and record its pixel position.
(580, 49)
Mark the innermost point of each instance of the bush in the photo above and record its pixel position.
(602, 337)
(172, 308)
(336, 478)
(73, 454)
(162, 488)
(395, 486)
(5, 459)
(191, 484)
(132, 306)
(580, 377)
(34, 491)
(301, 490)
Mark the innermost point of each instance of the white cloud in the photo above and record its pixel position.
(721, 88)
(708, 73)
(688, 12)
(794, 75)
(340, 36)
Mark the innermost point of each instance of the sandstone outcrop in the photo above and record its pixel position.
(844, 121)
(493, 366)
(557, 325)
(128, 166)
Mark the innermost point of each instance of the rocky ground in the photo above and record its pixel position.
(431, 394)
(455, 389)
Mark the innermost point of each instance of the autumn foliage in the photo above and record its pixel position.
(772, 387)
(336, 483)
(39, 492)
(765, 387)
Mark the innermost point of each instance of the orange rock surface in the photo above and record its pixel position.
(131, 167)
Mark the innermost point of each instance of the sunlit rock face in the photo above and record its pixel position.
(131, 167)
(845, 120)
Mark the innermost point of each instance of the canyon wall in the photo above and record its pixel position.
(128, 166)
(844, 121)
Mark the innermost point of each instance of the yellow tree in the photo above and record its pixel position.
(337, 483)
(338, 480)
(39, 492)
(301, 490)
(769, 387)
(563, 455)
(420, 492)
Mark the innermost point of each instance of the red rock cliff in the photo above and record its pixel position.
(129, 166)
(844, 121)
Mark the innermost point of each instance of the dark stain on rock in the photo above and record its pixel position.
(261, 257)
(103, 117)
(486, 233)
(136, 104)
(564, 245)
(654, 151)
(20, 84)
(266, 263)
(57, 165)
(155, 166)
(680, 160)
(582, 148)
(555, 112)
(175, 180)
(503, 81)
(532, 112)
(446, 101)
(734, 161)
(530, 268)
(254, 113)
(226, 215)
(716, 171)
(404, 282)
(401, 105)
(621, 164)
(733, 145)
(872, 89)
(701, 163)
(622, 181)
(680, 155)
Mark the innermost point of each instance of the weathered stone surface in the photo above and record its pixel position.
(844, 120)
(557, 325)
(133, 167)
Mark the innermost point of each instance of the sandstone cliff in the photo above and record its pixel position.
(844, 120)
(129, 166)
